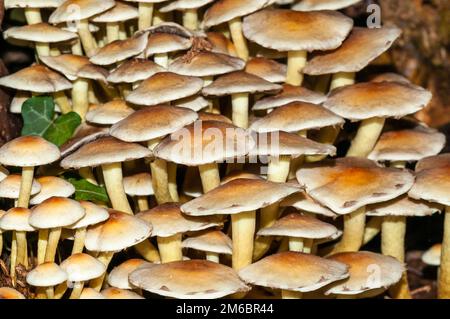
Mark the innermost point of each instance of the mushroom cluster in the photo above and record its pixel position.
(212, 127)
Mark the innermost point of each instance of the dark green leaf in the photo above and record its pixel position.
(89, 192)
(37, 113)
(61, 130)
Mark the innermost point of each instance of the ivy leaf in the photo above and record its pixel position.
(62, 129)
(37, 113)
(88, 191)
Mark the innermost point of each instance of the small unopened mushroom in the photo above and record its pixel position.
(108, 113)
(52, 186)
(212, 242)
(47, 275)
(10, 293)
(140, 186)
(118, 277)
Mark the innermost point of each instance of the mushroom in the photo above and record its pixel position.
(200, 279)
(160, 44)
(370, 274)
(118, 277)
(50, 217)
(212, 242)
(145, 8)
(190, 10)
(47, 275)
(28, 152)
(432, 184)
(169, 224)
(239, 198)
(80, 11)
(317, 5)
(294, 273)
(347, 185)
(140, 187)
(10, 187)
(119, 232)
(108, 113)
(33, 8)
(52, 186)
(116, 293)
(80, 268)
(10, 293)
(269, 70)
(297, 33)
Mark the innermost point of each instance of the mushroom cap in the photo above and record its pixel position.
(78, 10)
(206, 116)
(52, 186)
(347, 184)
(432, 256)
(16, 219)
(33, 3)
(361, 47)
(433, 180)
(206, 63)
(283, 143)
(82, 267)
(213, 241)
(47, 274)
(94, 214)
(85, 133)
(204, 142)
(377, 99)
(294, 271)
(75, 67)
(39, 32)
(300, 226)
(116, 293)
(167, 220)
(138, 185)
(56, 212)
(288, 95)
(238, 175)
(239, 82)
(165, 87)
(119, 232)
(134, 70)
(237, 196)
(184, 5)
(109, 113)
(28, 151)
(118, 277)
(368, 271)
(169, 27)
(10, 293)
(302, 201)
(295, 117)
(408, 145)
(120, 50)
(36, 78)
(90, 293)
(166, 42)
(296, 31)
(226, 10)
(221, 44)
(199, 279)
(267, 69)
(121, 12)
(390, 77)
(315, 5)
(403, 206)
(10, 186)
(152, 122)
(195, 103)
(106, 150)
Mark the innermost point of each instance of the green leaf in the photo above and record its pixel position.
(89, 192)
(62, 129)
(37, 113)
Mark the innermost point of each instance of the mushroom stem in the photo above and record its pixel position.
(122, 31)
(160, 176)
(296, 244)
(238, 38)
(373, 228)
(33, 15)
(289, 294)
(239, 104)
(76, 47)
(61, 99)
(77, 289)
(88, 174)
(87, 39)
(214, 257)
(162, 59)
(13, 259)
(142, 203)
(209, 174)
(42, 49)
(342, 79)
(190, 19)
(42, 245)
(22, 258)
(112, 174)
(308, 244)
(49, 292)
(393, 244)
(53, 240)
(295, 65)
(105, 258)
(444, 277)
(26, 183)
(145, 15)
(148, 251)
(60, 290)
(78, 243)
(1, 243)
(368, 133)
(352, 238)
(80, 97)
(170, 248)
(327, 135)
(172, 176)
(243, 231)
(112, 31)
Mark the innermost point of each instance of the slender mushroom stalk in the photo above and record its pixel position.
(142, 203)
(76, 290)
(170, 248)
(162, 59)
(145, 15)
(240, 102)
(33, 15)
(342, 79)
(42, 245)
(63, 102)
(367, 136)
(25, 186)
(172, 180)
(112, 174)
(53, 239)
(214, 257)
(80, 97)
(296, 63)
(243, 229)
(296, 244)
(238, 38)
(87, 39)
(353, 236)
(373, 228)
(209, 174)
(22, 257)
(444, 269)
(78, 243)
(190, 19)
(112, 31)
